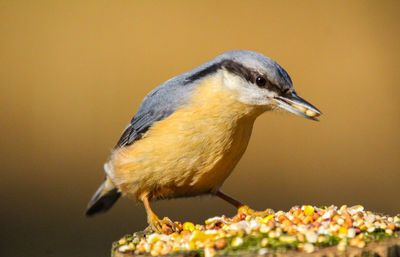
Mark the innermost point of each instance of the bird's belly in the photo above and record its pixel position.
(193, 160)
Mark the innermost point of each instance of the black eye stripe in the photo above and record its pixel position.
(252, 76)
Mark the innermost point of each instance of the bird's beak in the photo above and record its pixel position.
(297, 105)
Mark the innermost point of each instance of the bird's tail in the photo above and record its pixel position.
(103, 199)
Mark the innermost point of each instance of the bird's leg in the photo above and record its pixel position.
(242, 208)
(229, 199)
(165, 225)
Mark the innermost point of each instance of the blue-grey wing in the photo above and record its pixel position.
(138, 126)
(157, 105)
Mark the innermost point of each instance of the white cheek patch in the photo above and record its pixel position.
(245, 91)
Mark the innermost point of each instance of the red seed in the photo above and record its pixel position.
(391, 226)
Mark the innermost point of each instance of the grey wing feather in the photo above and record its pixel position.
(158, 105)
(140, 123)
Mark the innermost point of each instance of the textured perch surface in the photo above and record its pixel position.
(302, 231)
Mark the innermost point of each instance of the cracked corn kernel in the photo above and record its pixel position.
(266, 219)
(308, 210)
(191, 245)
(343, 230)
(264, 242)
(287, 239)
(308, 248)
(361, 244)
(342, 246)
(198, 236)
(153, 238)
(188, 226)
(237, 241)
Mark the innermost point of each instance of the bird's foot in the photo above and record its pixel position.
(164, 226)
(246, 210)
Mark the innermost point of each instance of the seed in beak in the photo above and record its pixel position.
(299, 107)
(311, 113)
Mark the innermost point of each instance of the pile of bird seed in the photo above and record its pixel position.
(303, 228)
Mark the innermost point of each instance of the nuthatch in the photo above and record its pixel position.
(190, 132)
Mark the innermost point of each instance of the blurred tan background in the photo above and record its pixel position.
(73, 73)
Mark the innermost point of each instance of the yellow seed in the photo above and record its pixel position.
(301, 237)
(141, 248)
(272, 234)
(342, 230)
(342, 246)
(199, 227)
(299, 107)
(311, 113)
(153, 238)
(266, 219)
(154, 253)
(361, 244)
(308, 248)
(122, 241)
(188, 226)
(192, 246)
(198, 236)
(209, 244)
(237, 241)
(287, 239)
(131, 246)
(354, 241)
(308, 210)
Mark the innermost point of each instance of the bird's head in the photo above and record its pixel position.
(260, 81)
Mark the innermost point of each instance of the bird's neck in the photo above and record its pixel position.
(213, 99)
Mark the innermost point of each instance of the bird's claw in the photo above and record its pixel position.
(246, 210)
(164, 226)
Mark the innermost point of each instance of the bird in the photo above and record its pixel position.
(190, 132)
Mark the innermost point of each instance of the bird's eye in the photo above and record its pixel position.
(261, 81)
(286, 91)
